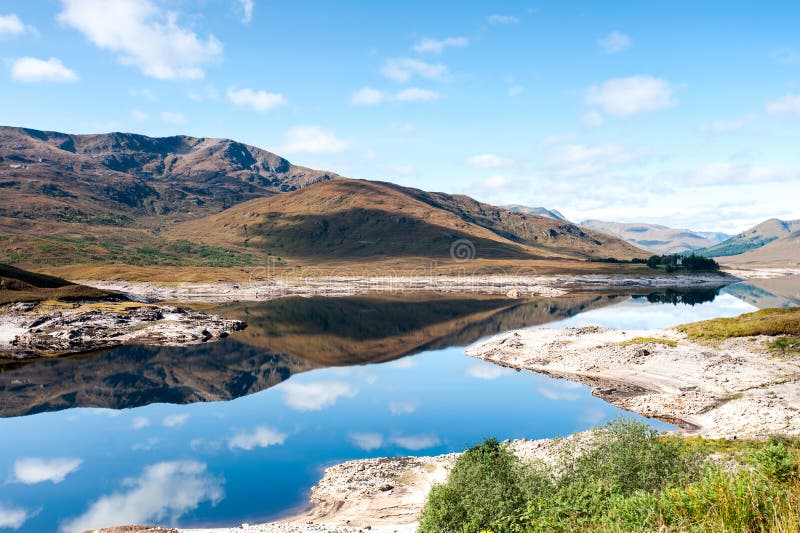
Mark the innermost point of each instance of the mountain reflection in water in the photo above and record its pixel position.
(284, 337)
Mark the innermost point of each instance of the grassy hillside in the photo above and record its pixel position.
(353, 218)
(754, 238)
(783, 252)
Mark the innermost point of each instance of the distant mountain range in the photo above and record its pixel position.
(656, 238)
(188, 201)
(756, 237)
(541, 211)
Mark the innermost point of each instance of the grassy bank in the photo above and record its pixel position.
(624, 476)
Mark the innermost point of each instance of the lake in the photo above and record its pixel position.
(239, 431)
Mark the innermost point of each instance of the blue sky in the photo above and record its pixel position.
(685, 113)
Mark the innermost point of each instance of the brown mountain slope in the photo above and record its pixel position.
(783, 252)
(17, 285)
(654, 237)
(355, 218)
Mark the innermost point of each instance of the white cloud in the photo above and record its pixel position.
(32, 470)
(140, 422)
(370, 96)
(260, 437)
(614, 42)
(174, 421)
(147, 94)
(491, 184)
(487, 372)
(403, 362)
(560, 391)
(725, 173)
(415, 94)
(437, 46)
(489, 161)
(145, 446)
(164, 492)
(402, 408)
(632, 96)
(31, 69)
(315, 396)
(593, 119)
(502, 20)
(403, 69)
(256, 100)
(312, 139)
(144, 36)
(573, 160)
(247, 7)
(367, 441)
(416, 442)
(12, 517)
(725, 125)
(173, 117)
(367, 96)
(788, 104)
(516, 90)
(12, 26)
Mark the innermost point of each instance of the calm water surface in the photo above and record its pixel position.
(99, 440)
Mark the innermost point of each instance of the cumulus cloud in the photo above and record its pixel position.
(725, 173)
(144, 36)
(502, 20)
(31, 70)
(174, 421)
(12, 26)
(726, 125)
(367, 441)
(173, 117)
(139, 422)
(315, 396)
(574, 159)
(437, 46)
(256, 100)
(404, 69)
(370, 96)
(416, 442)
(260, 437)
(788, 104)
(516, 90)
(614, 42)
(12, 517)
(592, 119)
(164, 492)
(32, 470)
(489, 161)
(312, 139)
(487, 372)
(402, 408)
(632, 96)
(247, 7)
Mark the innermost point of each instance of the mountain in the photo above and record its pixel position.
(656, 238)
(541, 211)
(358, 219)
(199, 202)
(756, 237)
(17, 285)
(768, 293)
(782, 252)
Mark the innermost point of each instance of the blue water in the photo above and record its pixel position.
(255, 457)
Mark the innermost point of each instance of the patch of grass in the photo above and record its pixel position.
(648, 340)
(772, 322)
(786, 346)
(624, 477)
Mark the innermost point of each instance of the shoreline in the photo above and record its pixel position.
(338, 286)
(735, 389)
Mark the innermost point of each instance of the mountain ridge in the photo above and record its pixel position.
(654, 237)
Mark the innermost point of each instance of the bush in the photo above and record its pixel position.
(624, 477)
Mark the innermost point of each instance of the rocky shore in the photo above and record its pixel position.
(734, 388)
(31, 330)
(512, 286)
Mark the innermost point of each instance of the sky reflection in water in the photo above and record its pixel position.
(255, 457)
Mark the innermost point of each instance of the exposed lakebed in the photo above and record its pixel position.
(239, 430)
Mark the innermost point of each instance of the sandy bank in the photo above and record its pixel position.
(733, 389)
(380, 495)
(513, 286)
